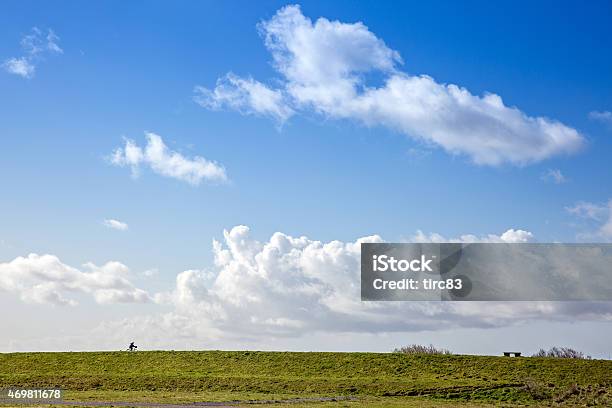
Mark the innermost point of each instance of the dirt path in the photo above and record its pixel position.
(227, 404)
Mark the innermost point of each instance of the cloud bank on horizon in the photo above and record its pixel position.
(291, 286)
(324, 65)
(285, 286)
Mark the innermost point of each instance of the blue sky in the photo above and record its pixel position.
(130, 68)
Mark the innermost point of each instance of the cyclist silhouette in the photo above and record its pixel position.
(132, 347)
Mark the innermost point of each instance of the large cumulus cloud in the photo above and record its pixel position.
(325, 66)
(291, 286)
(45, 279)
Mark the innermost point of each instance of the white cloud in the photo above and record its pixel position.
(599, 214)
(585, 209)
(115, 224)
(166, 162)
(19, 66)
(37, 42)
(324, 66)
(36, 46)
(603, 116)
(510, 236)
(554, 175)
(52, 43)
(293, 286)
(516, 236)
(149, 273)
(245, 95)
(45, 279)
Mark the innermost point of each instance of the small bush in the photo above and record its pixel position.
(561, 352)
(420, 349)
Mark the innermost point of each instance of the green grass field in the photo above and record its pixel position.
(375, 379)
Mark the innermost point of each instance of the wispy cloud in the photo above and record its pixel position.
(115, 224)
(149, 273)
(510, 236)
(600, 215)
(166, 162)
(35, 45)
(584, 209)
(603, 116)
(554, 175)
(245, 95)
(324, 66)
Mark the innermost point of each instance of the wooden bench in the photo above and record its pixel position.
(512, 353)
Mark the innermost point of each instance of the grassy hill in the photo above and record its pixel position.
(369, 376)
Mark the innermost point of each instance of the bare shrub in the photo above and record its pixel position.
(573, 389)
(561, 352)
(536, 390)
(420, 349)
